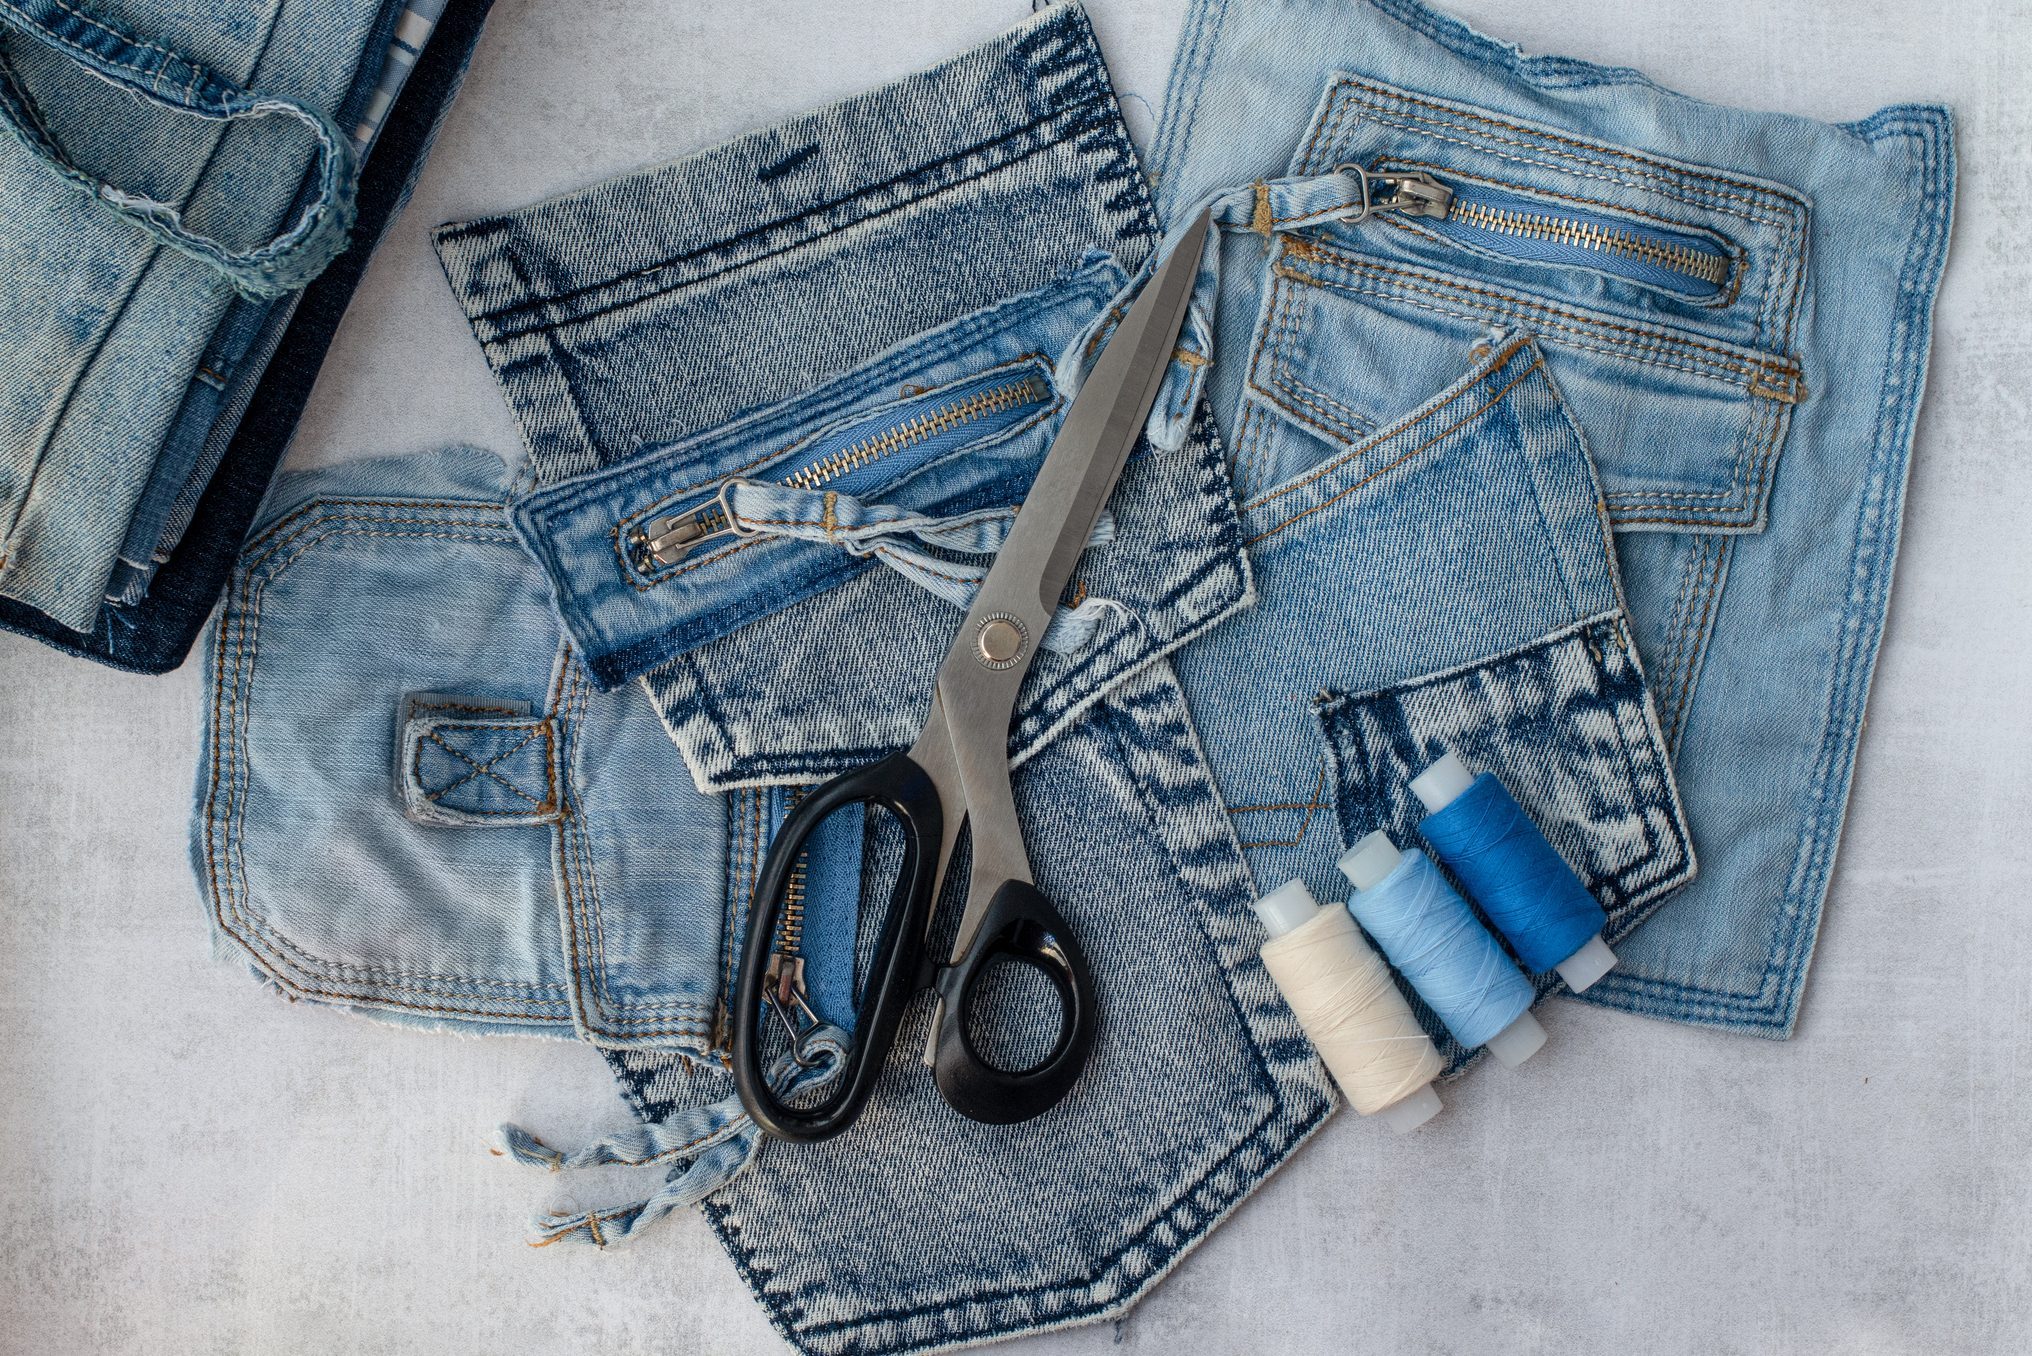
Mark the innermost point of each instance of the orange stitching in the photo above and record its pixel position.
(1313, 804)
(1384, 470)
(1586, 153)
(1437, 409)
(480, 769)
(1726, 293)
(1753, 366)
(242, 623)
(1792, 207)
(675, 496)
(1304, 825)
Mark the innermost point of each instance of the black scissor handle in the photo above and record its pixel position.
(900, 786)
(1020, 925)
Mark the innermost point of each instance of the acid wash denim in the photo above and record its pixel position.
(418, 802)
(176, 176)
(1751, 431)
(855, 334)
(909, 258)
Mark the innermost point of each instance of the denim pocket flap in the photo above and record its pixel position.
(1667, 295)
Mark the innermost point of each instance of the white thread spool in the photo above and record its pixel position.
(1342, 994)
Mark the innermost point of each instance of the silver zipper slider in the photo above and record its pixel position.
(665, 541)
(1418, 195)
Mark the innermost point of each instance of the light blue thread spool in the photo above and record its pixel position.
(1522, 883)
(1436, 942)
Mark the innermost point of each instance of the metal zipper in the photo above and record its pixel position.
(1473, 211)
(667, 540)
(783, 981)
(786, 959)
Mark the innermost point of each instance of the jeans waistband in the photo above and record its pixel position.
(768, 192)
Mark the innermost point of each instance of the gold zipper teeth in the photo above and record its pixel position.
(1587, 235)
(790, 922)
(790, 925)
(711, 520)
(891, 440)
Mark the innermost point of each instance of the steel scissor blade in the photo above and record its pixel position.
(1085, 461)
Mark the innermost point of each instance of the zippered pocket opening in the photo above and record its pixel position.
(1519, 226)
(855, 454)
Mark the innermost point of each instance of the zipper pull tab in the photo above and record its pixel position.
(1417, 194)
(783, 990)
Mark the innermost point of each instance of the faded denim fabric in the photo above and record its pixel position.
(176, 175)
(416, 805)
(780, 401)
(1750, 427)
(920, 257)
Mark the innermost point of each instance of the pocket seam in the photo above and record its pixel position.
(1399, 109)
(1480, 375)
(1746, 370)
(1756, 451)
(1375, 99)
(596, 1011)
(279, 957)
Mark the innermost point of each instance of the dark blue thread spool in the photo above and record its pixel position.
(1521, 882)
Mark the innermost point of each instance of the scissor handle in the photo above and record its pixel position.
(1019, 925)
(896, 784)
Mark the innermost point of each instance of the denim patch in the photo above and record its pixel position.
(1751, 418)
(113, 143)
(412, 802)
(963, 228)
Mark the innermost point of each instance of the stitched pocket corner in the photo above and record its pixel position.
(459, 767)
(1565, 721)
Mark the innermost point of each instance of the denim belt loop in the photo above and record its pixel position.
(151, 72)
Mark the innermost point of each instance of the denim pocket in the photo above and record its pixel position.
(1470, 600)
(1665, 294)
(1564, 722)
(411, 800)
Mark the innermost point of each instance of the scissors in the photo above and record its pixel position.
(958, 774)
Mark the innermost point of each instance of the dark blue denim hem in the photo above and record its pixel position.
(155, 636)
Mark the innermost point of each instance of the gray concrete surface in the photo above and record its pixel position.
(191, 1166)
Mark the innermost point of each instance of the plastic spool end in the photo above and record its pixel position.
(1409, 1112)
(1442, 784)
(1369, 861)
(1288, 907)
(1588, 964)
(1518, 1041)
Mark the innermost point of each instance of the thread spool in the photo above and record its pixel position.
(1344, 998)
(1436, 942)
(1522, 883)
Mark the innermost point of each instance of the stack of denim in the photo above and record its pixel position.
(180, 180)
(1528, 411)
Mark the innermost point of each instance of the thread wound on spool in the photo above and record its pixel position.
(1522, 883)
(1344, 998)
(1434, 939)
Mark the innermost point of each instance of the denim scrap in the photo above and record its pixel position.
(1751, 436)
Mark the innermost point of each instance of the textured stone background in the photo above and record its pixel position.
(192, 1166)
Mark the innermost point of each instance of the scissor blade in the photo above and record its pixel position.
(978, 682)
(1080, 471)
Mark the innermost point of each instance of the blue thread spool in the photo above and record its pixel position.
(1522, 883)
(1436, 942)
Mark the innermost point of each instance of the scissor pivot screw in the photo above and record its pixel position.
(999, 642)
